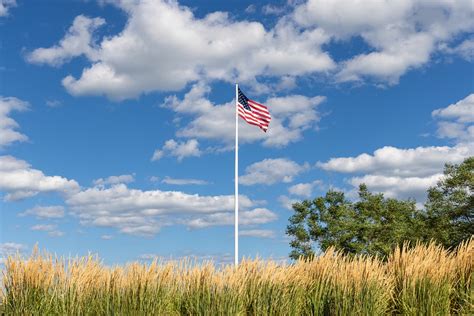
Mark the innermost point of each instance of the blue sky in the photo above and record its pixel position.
(117, 126)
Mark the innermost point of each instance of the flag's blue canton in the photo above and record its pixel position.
(244, 101)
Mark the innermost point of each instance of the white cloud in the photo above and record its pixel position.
(106, 237)
(180, 150)
(291, 116)
(270, 171)
(194, 100)
(462, 111)
(254, 217)
(154, 179)
(391, 64)
(400, 173)
(457, 131)
(287, 202)
(174, 181)
(131, 211)
(8, 126)
(216, 258)
(49, 228)
(10, 249)
(392, 161)
(120, 199)
(56, 233)
(269, 9)
(139, 212)
(124, 178)
(398, 187)
(19, 180)
(251, 9)
(260, 233)
(401, 34)
(5, 6)
(304, 189)
(286, 83)
(44, 227)
(53, 103)
(465, 49)
(77, 41)
(456, 121)
(408, 173)
(163, 47)
(405, 173)
(56, 211)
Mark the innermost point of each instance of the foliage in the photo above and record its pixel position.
(450, 205)
(375, 225)
(421, 280)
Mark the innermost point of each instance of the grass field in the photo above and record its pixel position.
(424, 280)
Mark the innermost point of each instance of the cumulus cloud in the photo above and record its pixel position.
(48, 228)
(8, 126)
(131, 211)
(260, 233)
(401, 173)
(124, 178)
(251, 9)
(52, 103)
(77, 41)
(287, 202)
(19, 180)
(462, 111)
(180, 150)
(270, 171)
(269, 9)
(119, 198)
(398, 187)
(457, 131)
(456, 121)
(173, 181)
(402, 35)
(56, 211)
(164, 46)
(254, 217)
(5, 6)
(408, 173)
(10, 249)
(392, 161)
(291, 116)
(138, 212)
(216, 258)
(464, 49)
(194, 101)
(304, 189)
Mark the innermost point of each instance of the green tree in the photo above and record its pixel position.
(373, 225)
(450, 205)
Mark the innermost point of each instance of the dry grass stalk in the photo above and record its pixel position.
(415, 280)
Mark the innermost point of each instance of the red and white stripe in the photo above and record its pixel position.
(259, 115)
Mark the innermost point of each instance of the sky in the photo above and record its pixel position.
(117, 121)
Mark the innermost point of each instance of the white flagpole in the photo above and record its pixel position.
(236, 179)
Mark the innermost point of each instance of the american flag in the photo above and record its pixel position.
(252, 112)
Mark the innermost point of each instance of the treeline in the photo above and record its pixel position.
(376, 225)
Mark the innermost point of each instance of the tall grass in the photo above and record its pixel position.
(420, 280)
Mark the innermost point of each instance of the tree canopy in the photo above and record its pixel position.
(374, 224)
(450, 205)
